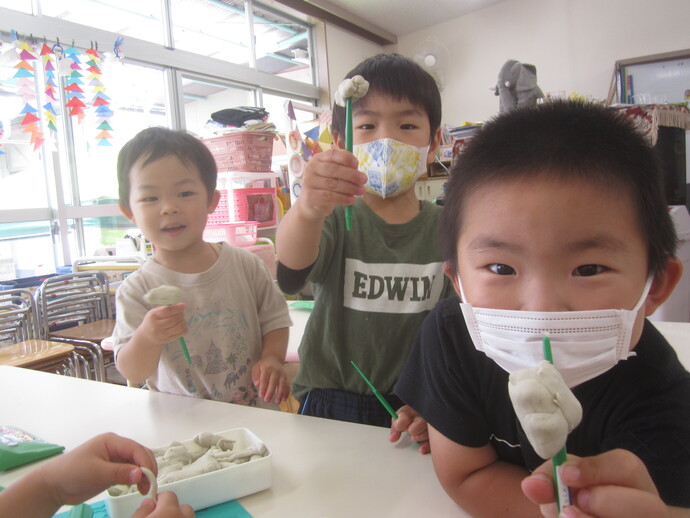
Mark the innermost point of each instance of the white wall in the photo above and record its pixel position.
(573, 43)
(345, 50)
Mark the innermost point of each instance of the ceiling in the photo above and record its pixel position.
(401, 17)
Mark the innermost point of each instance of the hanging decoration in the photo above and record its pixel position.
(303, 144)
(117, 47)
(8, 58)
(100, 101)
(26, 83)
(48, 57)
(57, 62)
(325, 120)
(73, 91)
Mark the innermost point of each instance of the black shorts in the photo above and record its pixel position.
(348, 406)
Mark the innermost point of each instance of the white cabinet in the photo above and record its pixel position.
(429, 189)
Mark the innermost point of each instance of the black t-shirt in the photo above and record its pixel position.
(641, 405)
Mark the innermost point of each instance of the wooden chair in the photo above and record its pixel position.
(19, 342)
(76, 307)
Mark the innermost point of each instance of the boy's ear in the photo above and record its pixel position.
(127, 213)
(663, 285)
(452, 276)
(213, 202)
(433, 147)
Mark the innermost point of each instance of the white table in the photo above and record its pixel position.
(321, 468)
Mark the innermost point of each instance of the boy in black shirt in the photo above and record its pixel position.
(555, 221)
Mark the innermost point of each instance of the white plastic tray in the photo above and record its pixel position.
(211, 488)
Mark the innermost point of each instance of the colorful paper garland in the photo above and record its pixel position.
(26, 82)
(100, 101)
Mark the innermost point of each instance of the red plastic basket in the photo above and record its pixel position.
(250, 151)
(242, 233)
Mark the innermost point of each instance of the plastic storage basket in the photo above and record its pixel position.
(249, 151)
(242, 233)
(253, 205)
(221, 215)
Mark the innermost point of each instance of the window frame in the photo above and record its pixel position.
(175, 63)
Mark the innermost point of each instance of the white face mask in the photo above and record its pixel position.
(585, 344)
(391, 166)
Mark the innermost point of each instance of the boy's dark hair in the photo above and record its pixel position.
(152, 144)
(567, 140)
(400, 78)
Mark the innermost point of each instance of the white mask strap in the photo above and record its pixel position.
(462, 293)
(645, 292)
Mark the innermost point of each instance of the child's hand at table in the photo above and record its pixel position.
(411, 422)
(99, 463)
(614, 484)
(166, 506)
(163, 324)
(72, 478)
(330, 178)
(269, 375)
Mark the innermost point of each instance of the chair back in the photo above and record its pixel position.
(18, 317)
(73, 299)
(20, 343)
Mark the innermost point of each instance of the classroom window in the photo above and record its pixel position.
(142, 19)
(215, 29)
(138, 95)
(204, 96)
(24, 6)
(283, 45)
(176, 62)
(26, 249)
(102, 233)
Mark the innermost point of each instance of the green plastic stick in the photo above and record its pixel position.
(348, 146)
(183, 344)
(562, 491)
(378, 395)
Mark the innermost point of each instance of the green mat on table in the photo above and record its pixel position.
(231, 509)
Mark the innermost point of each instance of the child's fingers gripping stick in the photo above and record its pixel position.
(153, 483)
(349, 91)
(167, 295)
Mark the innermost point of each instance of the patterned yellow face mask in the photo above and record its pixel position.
(391, 166)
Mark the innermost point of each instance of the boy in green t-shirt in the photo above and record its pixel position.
(374, 284)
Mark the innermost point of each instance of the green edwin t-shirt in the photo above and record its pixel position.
(373, 286)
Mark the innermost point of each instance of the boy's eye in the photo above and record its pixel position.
(149, 199)
(587, 270)
(185, 194)
(408, 126)
(501, 269)
(365, 127)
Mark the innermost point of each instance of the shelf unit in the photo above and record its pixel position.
(259, 186)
